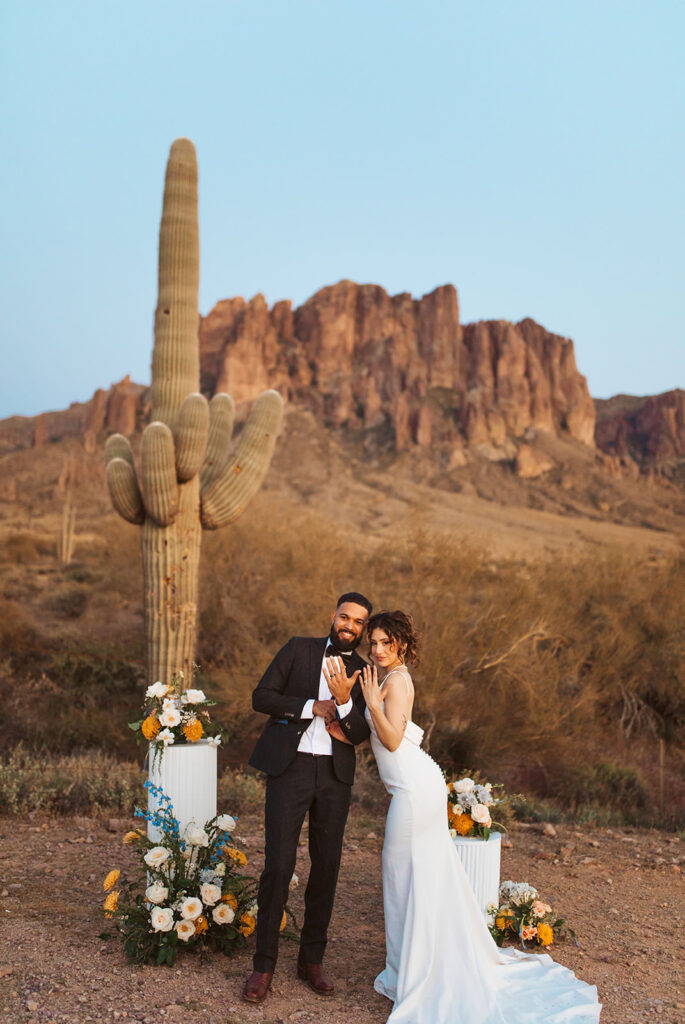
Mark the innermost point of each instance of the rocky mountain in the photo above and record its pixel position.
(362, 359)
(403, 374)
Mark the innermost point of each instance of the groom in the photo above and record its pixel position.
(309, 770)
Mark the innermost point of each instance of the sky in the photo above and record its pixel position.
(530, 153)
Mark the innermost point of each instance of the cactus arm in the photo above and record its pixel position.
(228, 494)
(175, 356)
(117, 447)
(124, 490)
(190, 436)
(158, 473)
(221, 418)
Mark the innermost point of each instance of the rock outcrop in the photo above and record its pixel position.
(360, 358)
(647, 430)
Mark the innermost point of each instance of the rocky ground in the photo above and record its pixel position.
(622, 892)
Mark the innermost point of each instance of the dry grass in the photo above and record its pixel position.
(557, 677)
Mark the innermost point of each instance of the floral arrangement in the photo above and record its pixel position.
(173, 714)
(469, 806)
(188, 892)
(522, 914)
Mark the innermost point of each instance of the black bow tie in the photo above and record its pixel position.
(333, 652)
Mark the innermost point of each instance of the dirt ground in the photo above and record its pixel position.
(621, 891)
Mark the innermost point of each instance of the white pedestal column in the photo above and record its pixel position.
(481, 860)
(187, 775)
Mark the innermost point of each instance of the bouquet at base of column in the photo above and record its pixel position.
(188, 892)
(522, 915)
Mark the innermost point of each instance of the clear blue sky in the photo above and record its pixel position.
(531, 153)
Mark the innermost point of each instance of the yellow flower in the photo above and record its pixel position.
(247, 924)
(237, 856)
(201, 925)
(231, 900)
(150, 727)
(131, 837)
(463, 823)
(545, 934)
(193, 730)
(110, 904)
(284, 921)
(111, 880)
(504, 920)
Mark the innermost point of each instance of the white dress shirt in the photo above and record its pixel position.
(315, 740)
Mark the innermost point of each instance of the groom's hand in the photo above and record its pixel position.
(324, 709)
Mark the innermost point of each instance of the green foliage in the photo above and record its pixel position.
(69, 603)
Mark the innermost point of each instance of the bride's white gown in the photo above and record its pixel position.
(442, 965)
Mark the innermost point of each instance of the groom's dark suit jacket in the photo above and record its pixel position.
(289, 682)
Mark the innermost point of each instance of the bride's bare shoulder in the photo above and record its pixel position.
(396, 675)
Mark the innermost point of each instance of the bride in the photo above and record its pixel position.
(442, 965)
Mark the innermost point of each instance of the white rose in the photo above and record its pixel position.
(196, 836)
(464, 786)
(457, 809)
(185, 929)
(157, 856)
(210, 894)
(156, 893)
(191, 908)
(193, 697)
(225, 822)
(223, 914)
(157, 690)
(162, 919)
(481, 814)
(170, 717)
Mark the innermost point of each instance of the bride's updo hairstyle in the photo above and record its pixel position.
(399, 627)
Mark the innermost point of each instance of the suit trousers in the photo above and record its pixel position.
(308, 784)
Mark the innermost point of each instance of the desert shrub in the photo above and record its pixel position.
(76, 783)
(93, 674)
(69, 603)
(17, 631)
(24, 548)
(240, 792)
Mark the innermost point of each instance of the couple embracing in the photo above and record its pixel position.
(442, 965)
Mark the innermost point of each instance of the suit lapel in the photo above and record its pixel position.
(316, 652)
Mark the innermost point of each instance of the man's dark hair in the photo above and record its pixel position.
(355, 598)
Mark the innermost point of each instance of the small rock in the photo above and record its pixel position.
(549, 830)
(586, 860)
(567, 850)
(5, 972)
(593, 842)
(543, 855)
(372, 835)
(31, 1005)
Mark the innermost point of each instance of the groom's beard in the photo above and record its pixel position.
(342, 643)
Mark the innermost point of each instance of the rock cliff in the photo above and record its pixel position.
(360, 358)
(648, 430)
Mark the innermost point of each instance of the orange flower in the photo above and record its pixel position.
(463, 824)
(110, 904)
(284, 921)
(504, 920)
(201, 925)
(247, 924)
(529, 931)
(193, 731)
(131, 837)
(150, 727)
(545, 934)
(237, 856)
(111, 880)
(231, 900)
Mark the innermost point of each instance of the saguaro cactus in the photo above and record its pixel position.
(187, 478)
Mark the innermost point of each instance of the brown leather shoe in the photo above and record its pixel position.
(257, 986)
(315, 978)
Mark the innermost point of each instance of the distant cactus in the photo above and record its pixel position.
(65, 544)
(187, 478)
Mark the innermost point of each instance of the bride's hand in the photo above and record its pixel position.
(370, 688)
